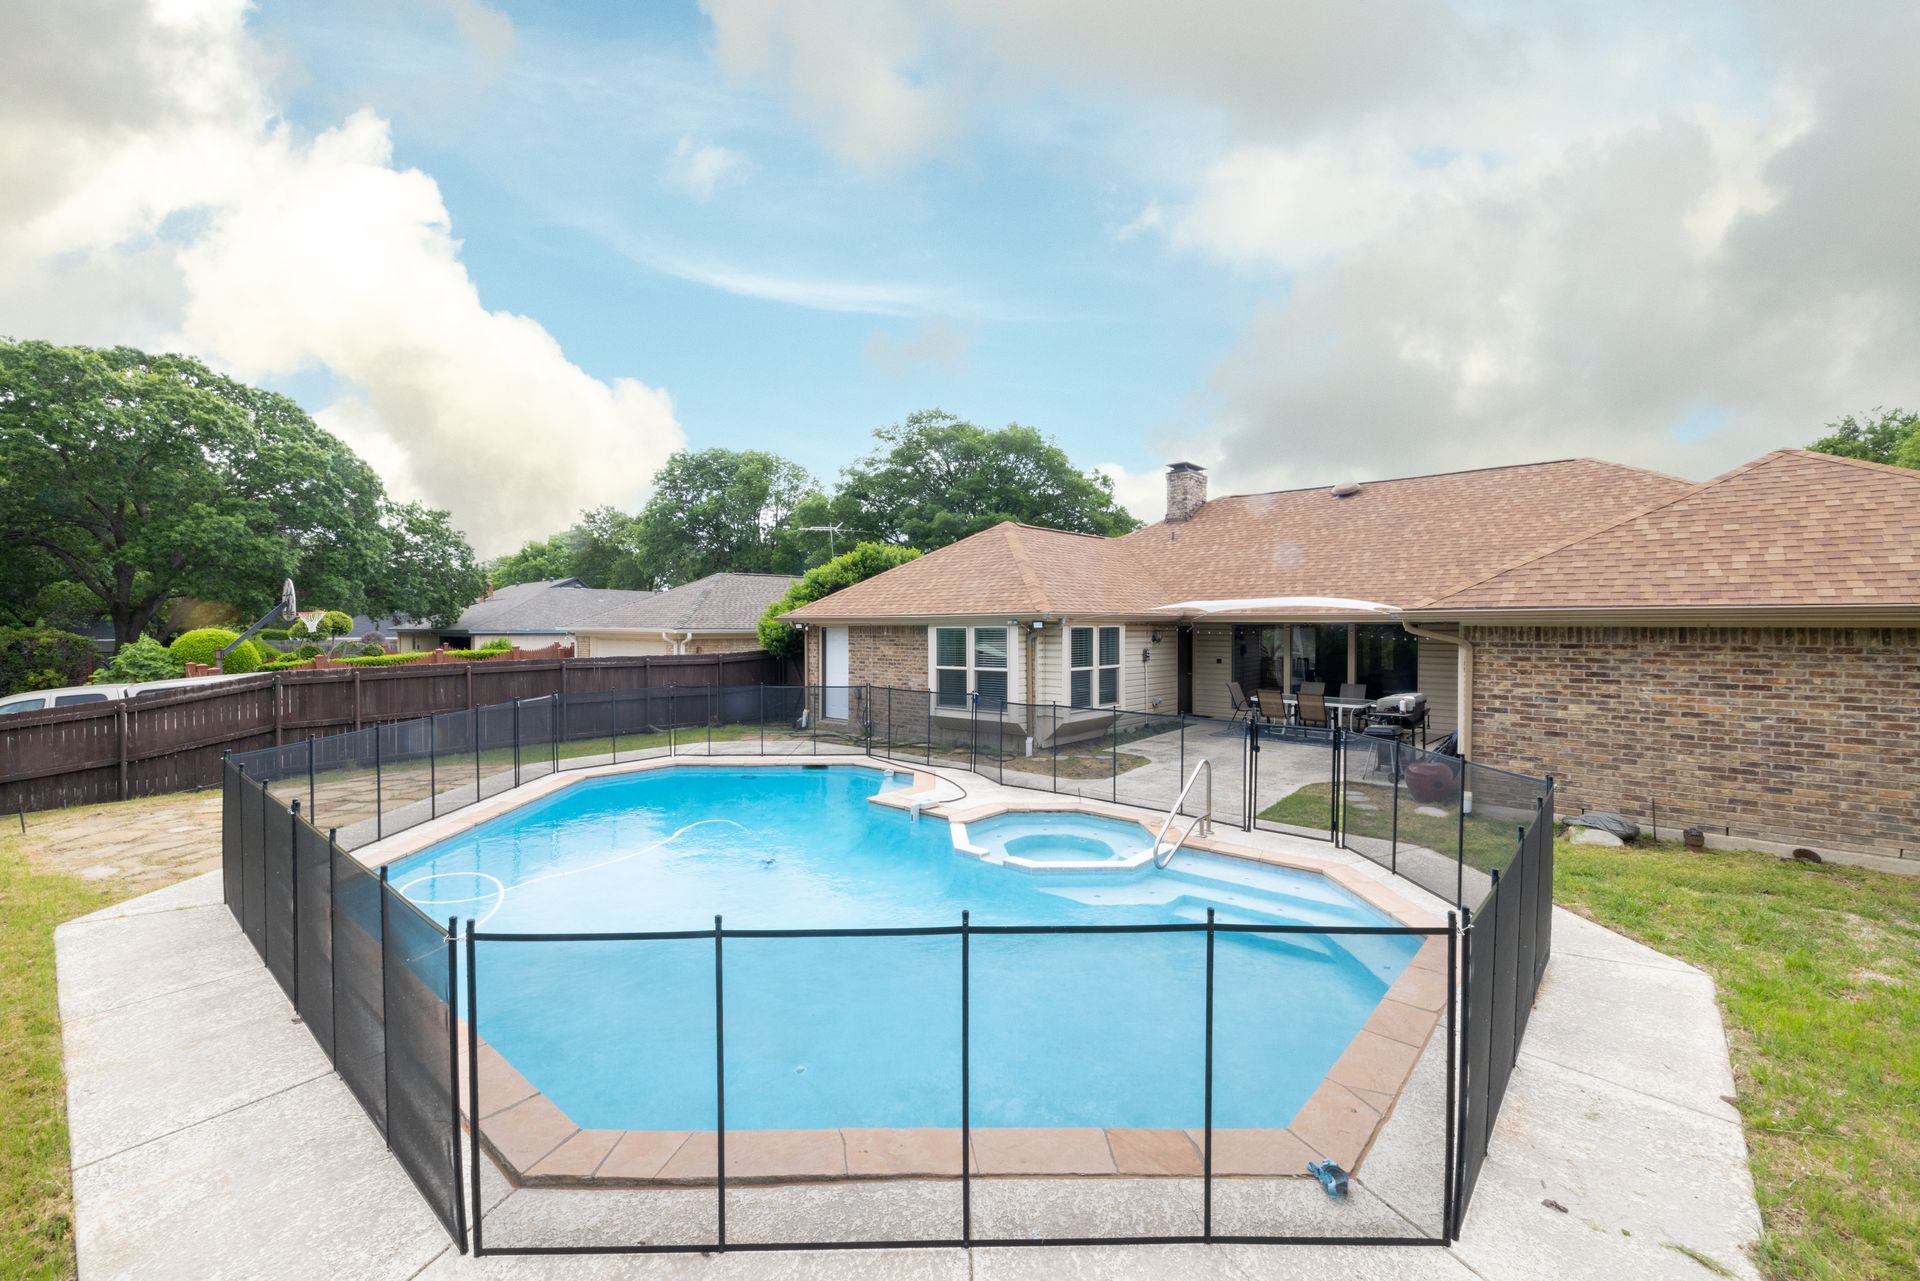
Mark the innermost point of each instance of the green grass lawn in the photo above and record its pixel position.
(1490, 843)
(1818, 970)
(36, 1197)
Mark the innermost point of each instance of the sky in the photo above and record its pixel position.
(518, 253)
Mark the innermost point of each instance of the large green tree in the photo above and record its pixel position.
(936, 479)
(147, 478)
(721, 509)
(1883, 436)
(539, 559)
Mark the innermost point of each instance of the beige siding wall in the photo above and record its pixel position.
(1150, 684)
(1439, 677)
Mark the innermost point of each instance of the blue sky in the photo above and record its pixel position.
(996, 282)
(515, 254)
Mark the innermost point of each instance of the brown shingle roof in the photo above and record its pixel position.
(1009, 569)
(1395, 542)
(1791, 529)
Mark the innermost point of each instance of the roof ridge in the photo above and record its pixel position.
(1884, 469)
(1461, 471)
(1598, 530)
(1017, 553)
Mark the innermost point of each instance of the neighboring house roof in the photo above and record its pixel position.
(1792, 530)
(1394, 542)
(1007, 569)
(555, 606)
(716, 603)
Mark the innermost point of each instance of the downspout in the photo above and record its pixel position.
(675, 646)
(1463, 677)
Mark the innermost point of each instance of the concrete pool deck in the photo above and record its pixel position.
(211, 1139)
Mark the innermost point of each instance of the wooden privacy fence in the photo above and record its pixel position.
(173, 741)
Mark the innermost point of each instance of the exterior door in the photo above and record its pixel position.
(834, 675)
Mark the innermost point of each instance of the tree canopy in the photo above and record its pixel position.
(1883, 436)
(929, 481)
(721, 509)
(935, 479)
(844, 570)
(143, 479)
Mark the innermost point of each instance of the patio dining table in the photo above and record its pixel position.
(1343, 710)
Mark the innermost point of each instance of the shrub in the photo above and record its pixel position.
(863, 562)
(335, 624)
(372, 651)
(497, 644)
(309, 650)
(146, 659)
(39, 653)
(202, 645)
(383, 659)
(275, 634)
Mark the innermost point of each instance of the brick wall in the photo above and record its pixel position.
(1799, 735)
(891, 657)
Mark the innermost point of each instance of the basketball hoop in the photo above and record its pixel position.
(311, 618)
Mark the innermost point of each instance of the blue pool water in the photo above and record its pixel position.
(1066, 1030)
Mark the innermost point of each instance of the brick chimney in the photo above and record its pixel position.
(1186, 490)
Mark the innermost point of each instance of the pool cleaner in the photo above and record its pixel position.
(1331, 1176)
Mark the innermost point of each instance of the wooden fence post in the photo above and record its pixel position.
(122, 724)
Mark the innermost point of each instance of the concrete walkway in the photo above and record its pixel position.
(211, 1140)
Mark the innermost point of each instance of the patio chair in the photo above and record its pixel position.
(1310, 707)
(1238, 697)
(1356, 693)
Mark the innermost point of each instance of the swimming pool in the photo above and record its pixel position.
(1066, 1029)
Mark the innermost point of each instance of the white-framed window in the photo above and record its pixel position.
(1093, 666)
(969, 661)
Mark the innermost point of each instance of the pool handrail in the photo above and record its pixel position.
(1204, 820)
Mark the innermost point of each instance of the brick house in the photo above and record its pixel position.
(1742, 655)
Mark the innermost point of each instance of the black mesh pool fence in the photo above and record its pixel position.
(373, 979)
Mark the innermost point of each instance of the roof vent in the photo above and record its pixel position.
(1346, 490)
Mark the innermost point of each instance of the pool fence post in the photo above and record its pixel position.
(966, 1086)
(473, 1087)
(433, 767)
(309, 778)
(1453, 1033)
(1460, 841)
(379, 812)
(553, 732)
(293, 881)
(333, 953)
(1179, 780)
(813, 715)
(1393, 780)
(763, 718)
(719, 1085)
(1114, 757)
(453, 1080)
(1055, 744)
(673, 714)
(713, 700)
(1206, 1152)
(1466, 1063)
(516, 742)
(386, 1049)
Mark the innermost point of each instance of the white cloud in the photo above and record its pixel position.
(1142, 493)
(701, 168)
(154, 179)
(937, 346)
(851, 68)
(1491, 232)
